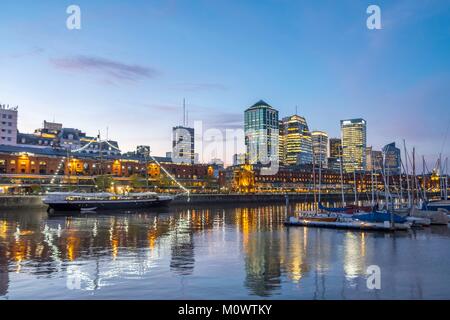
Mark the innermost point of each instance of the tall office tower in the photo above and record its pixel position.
(354, 141)
(183, 138)
(281, 143)
(296, 141)
(320, 148)
(8, 125)
(369, 159)
(261, 133)
(183, 145)
(392, 159)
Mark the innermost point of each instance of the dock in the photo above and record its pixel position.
(352, 225)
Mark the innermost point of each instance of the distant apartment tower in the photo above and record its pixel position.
(296, 145)
(261, 133)
(183, 145)
(320, 148)
(8, 125)
(354, 140)
(392, 159)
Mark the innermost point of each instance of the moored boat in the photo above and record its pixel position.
(438, 217)
(436, 205)
(379, 216)
(349, 224)
(86, 202)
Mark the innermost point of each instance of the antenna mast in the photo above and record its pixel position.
(184, 112)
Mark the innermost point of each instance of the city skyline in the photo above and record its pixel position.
(100, 77)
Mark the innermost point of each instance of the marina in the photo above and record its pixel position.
(212, 252)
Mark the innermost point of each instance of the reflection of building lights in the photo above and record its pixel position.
(3, 229)
(71, 246)
(115, 248)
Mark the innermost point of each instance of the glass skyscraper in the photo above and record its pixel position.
(261, 133)
(296, 141)
(320, 148)
(354, 141)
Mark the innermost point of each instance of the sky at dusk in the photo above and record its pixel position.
(133, 62)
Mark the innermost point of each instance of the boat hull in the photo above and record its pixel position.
(107, 205)
(323, 219)
(435, 206)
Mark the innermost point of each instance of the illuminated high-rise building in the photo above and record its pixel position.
(354, 140)
(296, 146)
(320, 148)
(261, 133)
(369, 159)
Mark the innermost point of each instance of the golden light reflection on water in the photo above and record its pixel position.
(3, 229)
(270, 254)
(355, 251)
(72, 246)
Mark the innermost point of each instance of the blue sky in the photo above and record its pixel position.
(133, 62)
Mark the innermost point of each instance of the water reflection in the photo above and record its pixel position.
(213, 251)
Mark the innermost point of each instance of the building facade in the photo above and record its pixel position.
(296, 146)
(392, 159)
(320, 148)
(261, 133)
(335, 148)
(354, 143)
(8, 125)
(374, 160)
(183, 145)
(335, 154)
(26, 167)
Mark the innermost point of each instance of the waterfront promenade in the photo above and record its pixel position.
(26, 201)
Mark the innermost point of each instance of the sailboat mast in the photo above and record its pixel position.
(373, 190)
(314, 179)
(424, 182)
(342, 178)
(446, 179)
(407, 174)
(414, 176)
(320, 177)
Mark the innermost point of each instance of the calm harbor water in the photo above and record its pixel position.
(212, 252)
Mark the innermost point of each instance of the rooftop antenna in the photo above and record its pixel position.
(187, 118)
(107, 132)
(184, 112)
(296, 113)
